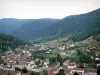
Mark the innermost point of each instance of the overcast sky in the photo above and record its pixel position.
(45, 8)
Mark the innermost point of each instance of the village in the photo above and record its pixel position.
(43, 58)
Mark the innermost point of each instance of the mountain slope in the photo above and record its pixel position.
(75, 25)
(30, 29)
(7, 25)
(79, 26)
(94, 30)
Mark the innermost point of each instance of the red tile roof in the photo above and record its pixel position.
(92, 70)
(77, 69)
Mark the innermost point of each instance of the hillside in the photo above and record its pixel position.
(93, 30)
(75, 25)
(7, 25)
(30, 29)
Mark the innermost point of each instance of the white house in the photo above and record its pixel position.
(37, 69)
(71, 65)
(46, 61)
(66, 63)
(19, 66)
(32, 62)
(62, 48)
(72, 45)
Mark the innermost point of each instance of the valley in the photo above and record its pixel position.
(68, 46)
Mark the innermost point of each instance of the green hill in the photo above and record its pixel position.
(32, 28)
(9, 42)
(79, 26)
(7, 25)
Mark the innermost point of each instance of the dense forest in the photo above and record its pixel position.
(31, 28)
(79, 26)
(8, 25)
(94, 31)
(9, 42)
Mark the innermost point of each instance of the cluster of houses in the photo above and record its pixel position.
(41, 47)
(45, 47)
(63, 47)
(24, 58)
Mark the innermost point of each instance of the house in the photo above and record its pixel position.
(97, 62)
(37, 69)
(80, 71)
(32, 62)
(31, 65)
(6, 72)
(53, 71)
(19, 66)
(91, 72)
(51, 67)
(46, 61)
(66, 63)
(62, 48)
(71, 65)
(72, 45)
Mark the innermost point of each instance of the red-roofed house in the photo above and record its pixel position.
(71, 66)
(53, 71)
(91, 71)
(80, 71)
(46, 61)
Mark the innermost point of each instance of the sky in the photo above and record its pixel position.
(25, 9)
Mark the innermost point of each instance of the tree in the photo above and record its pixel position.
(17, 69)
(85, 59)
(8, 74)
(61, 72)
(9, 42)
(34, 73)
(93, 54)
(98, 70)
(1, 60)
(45, 72)
(24, 70)
(17, 62)
(52, 60)
(79, 52)
(59, 59)
(76, 73)
(37, 63)
(5, 63)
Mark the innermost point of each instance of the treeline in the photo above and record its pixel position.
(9, 42)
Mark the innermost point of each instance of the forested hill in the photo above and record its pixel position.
(94, 31)
(31, 28)
(9, 42)
(76, 25)
(7, 25)
(79, 26)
